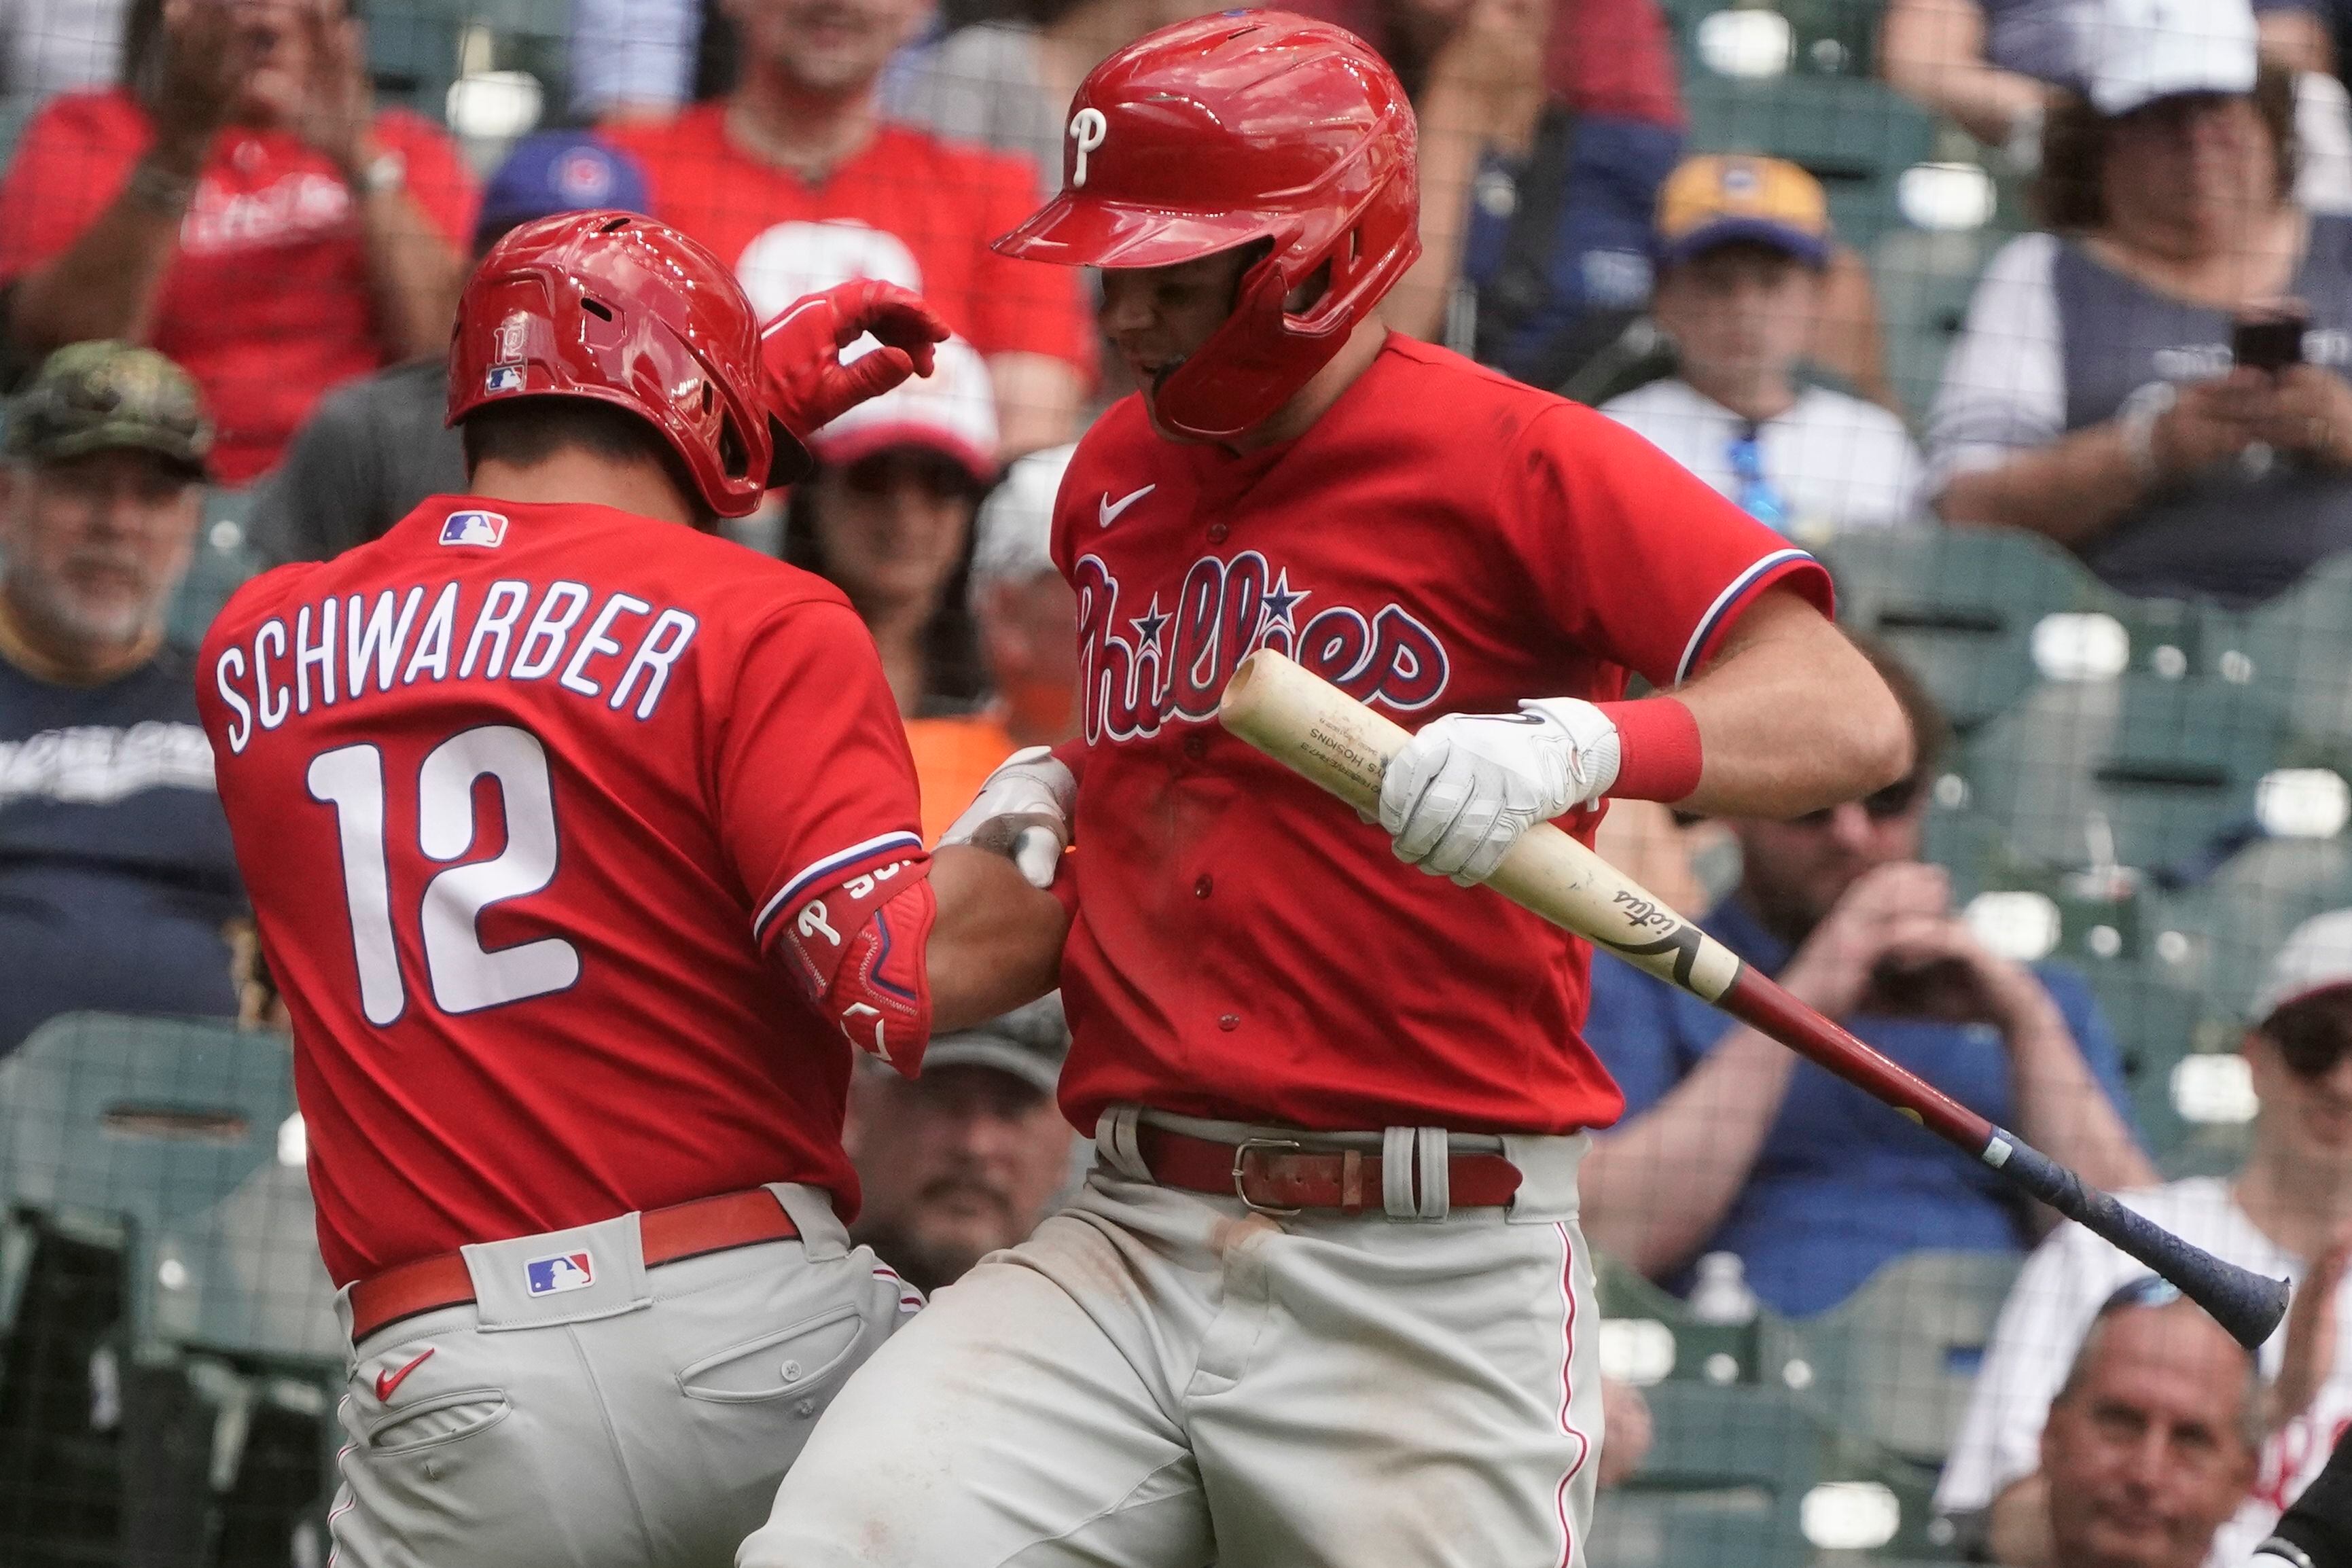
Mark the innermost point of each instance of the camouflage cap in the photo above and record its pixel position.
(104, 395)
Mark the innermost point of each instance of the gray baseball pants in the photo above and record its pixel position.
(644, 1419)
(1162, 1379)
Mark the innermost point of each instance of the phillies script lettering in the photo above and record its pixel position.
(1137, 671)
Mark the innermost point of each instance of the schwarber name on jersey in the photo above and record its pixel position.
(529, 799)
(1441, 540)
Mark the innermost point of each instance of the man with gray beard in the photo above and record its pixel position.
(116, 876)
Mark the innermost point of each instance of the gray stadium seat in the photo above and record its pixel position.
(1958, 605)
(1891, 1365)
(2149, 770)
(1724, 1484)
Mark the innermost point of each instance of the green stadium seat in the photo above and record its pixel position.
(1925, 280)
(241, 1279)
(2156, 1022)
(220, 566)
(1854, 134)
(2301, 644)
(2138, 770)
(114, 1125)
(1891, 1365)
(1958, 605)
(1706, 1351)
(1725, 1483)
(2258, 898)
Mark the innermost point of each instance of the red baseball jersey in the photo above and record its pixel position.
(519, 793)
(267, 303)
(1441, 540)
(907, 208)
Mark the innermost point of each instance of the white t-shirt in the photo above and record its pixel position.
(1837, 461)
(2034, 1344)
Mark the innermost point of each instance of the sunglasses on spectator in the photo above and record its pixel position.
(1884, 805)
(2312, 1034)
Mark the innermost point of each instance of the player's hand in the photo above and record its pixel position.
(1464, 789)
(809, 386)
(1021, 812)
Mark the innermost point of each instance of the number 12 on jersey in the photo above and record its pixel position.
(464, 978)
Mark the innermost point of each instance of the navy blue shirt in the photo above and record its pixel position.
(115, 872)
(1841, 1184)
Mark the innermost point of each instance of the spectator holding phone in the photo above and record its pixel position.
(2095, 396)
(1730, 1144)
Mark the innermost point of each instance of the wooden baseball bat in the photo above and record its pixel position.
(1337, 743)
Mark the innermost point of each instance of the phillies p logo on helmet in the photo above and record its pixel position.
(1087, 129)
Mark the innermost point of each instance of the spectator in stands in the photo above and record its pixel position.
(797, 182)
(1024, 616)
(2288, 1213)
(2151, 1439)
(970, 1156)
(375, 448)
(1007, 83)
(887, 517)
(240, 204)
(1743, 244)
(1730, 1144)
(2092, 397)
(1992, 65)
(116, 876)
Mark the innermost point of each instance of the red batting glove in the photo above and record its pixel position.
(809, 385)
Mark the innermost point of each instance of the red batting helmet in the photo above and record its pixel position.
(616, 307)
(1215, 132)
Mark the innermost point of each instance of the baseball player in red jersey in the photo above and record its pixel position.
(1323, 1299)
(581, 844)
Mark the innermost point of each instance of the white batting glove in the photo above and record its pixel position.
(1021, 812)
(1464, 789)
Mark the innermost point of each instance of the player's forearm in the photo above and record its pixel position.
(1791, 718)
(1656, 1187)
(414, 271)
(997, 941)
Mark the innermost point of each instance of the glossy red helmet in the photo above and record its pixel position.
(616, 307)
(1220, 132)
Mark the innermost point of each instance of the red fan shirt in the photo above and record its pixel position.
(267, 303)
(1441, 540)
(519, 793)
(907, 208)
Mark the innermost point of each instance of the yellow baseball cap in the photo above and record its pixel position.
(1718, 197)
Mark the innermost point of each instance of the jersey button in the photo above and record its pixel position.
(1230, 1022)
(1217, 531)
(1195, 747)
(1202, 885)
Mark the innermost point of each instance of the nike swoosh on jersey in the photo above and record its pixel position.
(1108, 510)
(386, 1382)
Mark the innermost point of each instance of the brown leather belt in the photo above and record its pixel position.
(1276, 1175)
(681, 1231)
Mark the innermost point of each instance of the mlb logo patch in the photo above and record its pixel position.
(558, 1272)
(486, 529)
(503, 378)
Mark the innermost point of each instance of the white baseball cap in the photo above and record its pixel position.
(951, 410)
(1013, 534)
(2318, 957)
(2137, 51)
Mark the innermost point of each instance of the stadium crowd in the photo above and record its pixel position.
(228, 260)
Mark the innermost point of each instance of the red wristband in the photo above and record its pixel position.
(1657, 749)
